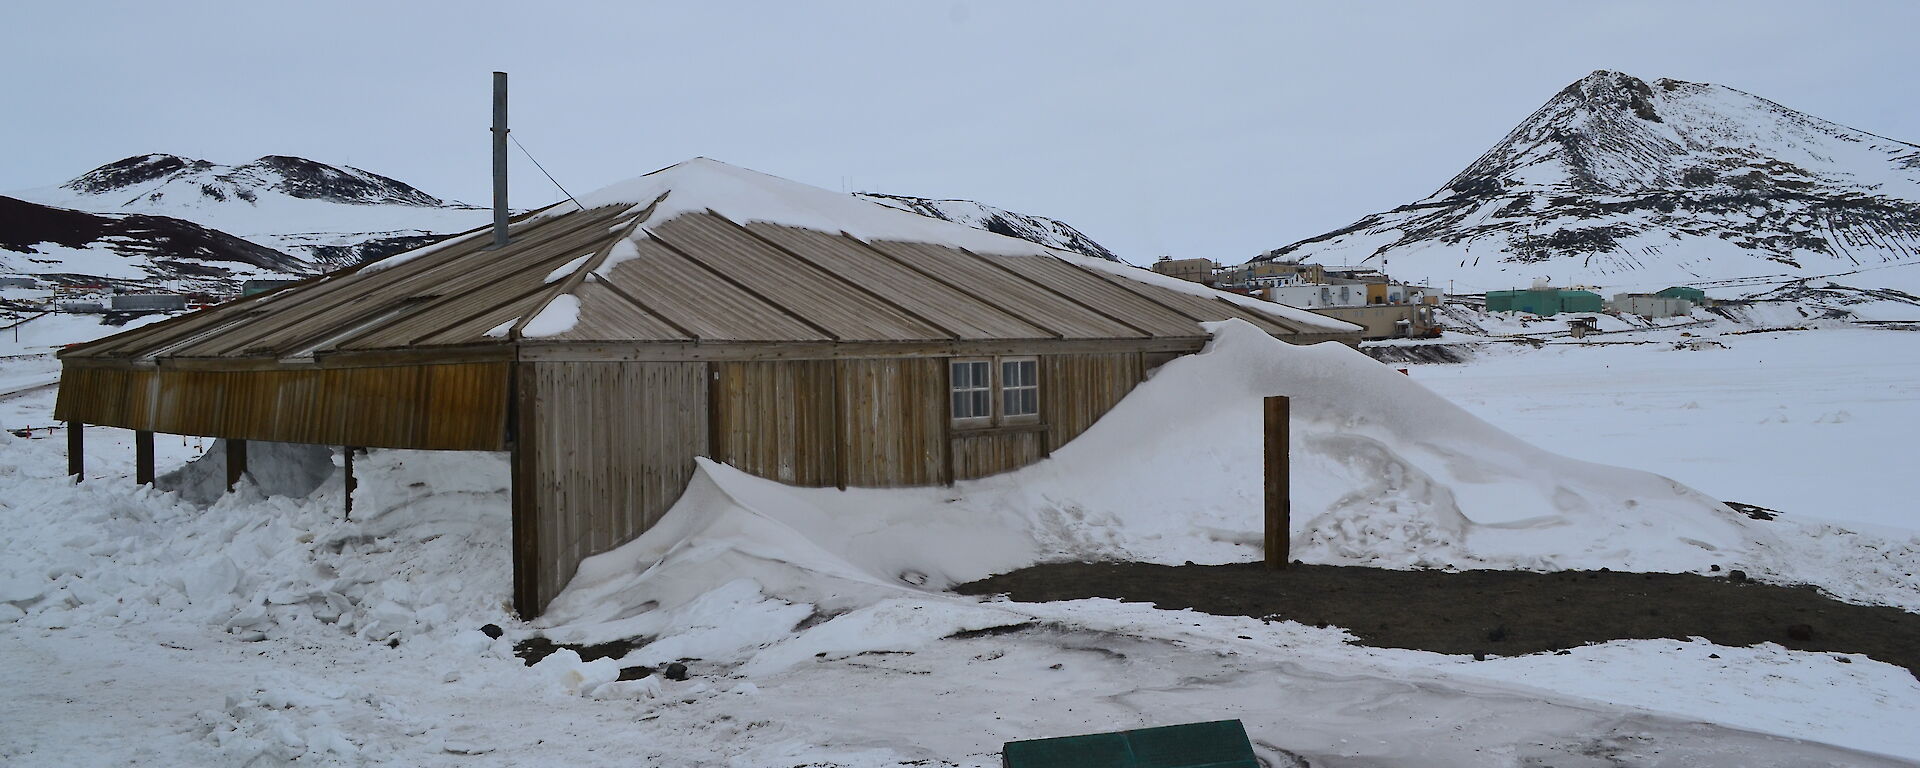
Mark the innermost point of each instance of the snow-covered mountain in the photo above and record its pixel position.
(1629, 185)
(130, 250)
(329, 215)
(1038, 229)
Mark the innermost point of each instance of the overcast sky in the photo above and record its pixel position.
(1215, 129)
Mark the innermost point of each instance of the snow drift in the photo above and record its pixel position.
(1385, 473)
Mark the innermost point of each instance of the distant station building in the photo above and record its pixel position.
(1192, 270)
(1695, 295)
(702, 310)
(1650, 305)
(1545, 301)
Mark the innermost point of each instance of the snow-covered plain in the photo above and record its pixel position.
(136, 627)
(1814, 423)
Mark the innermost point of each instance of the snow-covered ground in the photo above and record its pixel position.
(1814, 423)
(136, 627)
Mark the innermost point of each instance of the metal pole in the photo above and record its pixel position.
(499, 159)
(1279, 483)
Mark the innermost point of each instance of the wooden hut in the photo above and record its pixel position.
(702, 310)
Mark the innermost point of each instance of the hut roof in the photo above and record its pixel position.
(700, 253)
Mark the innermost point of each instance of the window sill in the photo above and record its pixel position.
(1002, 429)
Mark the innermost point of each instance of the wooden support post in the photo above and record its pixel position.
(1279, 483)
(840, 449)
(142, 457)
(527, 600)
(351, 482)
(76, 450)
(236, 462)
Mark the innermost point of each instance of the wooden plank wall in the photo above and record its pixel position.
(1076, 390)
(863, 422)
(455, 406)
(895, 413)
(990, 453)
(880, 422)
(606, 449)
(777, 420)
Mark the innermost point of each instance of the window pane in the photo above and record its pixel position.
(982, 403)
(1009, 374)
(980, 375)
(960, 403)
(1030, 401)
(960, 375)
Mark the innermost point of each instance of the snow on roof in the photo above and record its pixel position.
(745, 196)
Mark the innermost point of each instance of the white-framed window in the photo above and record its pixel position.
(972, 390)
(993, 391)
(1019, 389)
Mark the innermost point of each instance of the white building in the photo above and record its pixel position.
(1311, 296)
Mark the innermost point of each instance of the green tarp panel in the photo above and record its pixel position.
(1694, 295)
(1546, 302)
(1219, 744)
(1581, 301)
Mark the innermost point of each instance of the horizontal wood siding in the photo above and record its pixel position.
(895, 415)
(990, 454)
(776, 420)
(612, 448)
(459, 406)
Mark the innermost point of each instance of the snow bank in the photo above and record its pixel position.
(275, 469)
(425, 554)
(1386, 473)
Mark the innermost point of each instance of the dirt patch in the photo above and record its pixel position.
(1506, 613)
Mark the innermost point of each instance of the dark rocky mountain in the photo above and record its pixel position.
(129, 250)
(1627, 184)
(1038, 229)
(329, 215)
(156, 178)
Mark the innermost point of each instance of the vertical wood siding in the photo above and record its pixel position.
(895, 413)
(610, 448)
(990, 454)
(776, 420)
(1076, 390)
(456, 406)
(873, 423)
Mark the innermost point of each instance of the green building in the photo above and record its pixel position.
(1545, 302)
(1695, 295)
